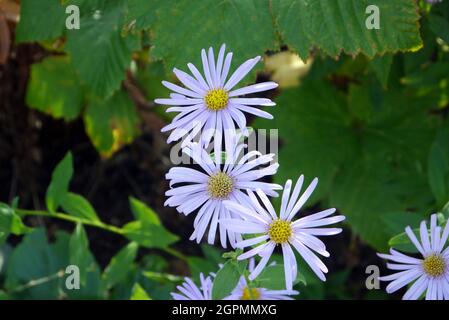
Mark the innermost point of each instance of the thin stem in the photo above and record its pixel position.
(97, 224)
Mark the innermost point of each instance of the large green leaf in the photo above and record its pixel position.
(438, 166)
(59, 184)
(40, 20)
(54, 89)
(100, 53)
(364, 147)
(184, 27)
(111, 123)
(339, 25)
(332, 26)
(36, 259)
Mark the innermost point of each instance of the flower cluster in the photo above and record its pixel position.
(225, 189)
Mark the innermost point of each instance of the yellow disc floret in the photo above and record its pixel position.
(280, 231)
(216, 99)
(220, 185)
(250, 294)
(434, 265)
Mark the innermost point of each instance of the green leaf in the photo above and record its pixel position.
(112, 123)
(141, 14)
(142, 212)
(78, 206)
(35, 259)
(438, 166)
(6, 215)
(59, 184)
(79, 248)
(149, 235)
(147, 230)
(53, 88)
(139, 293)
(226, 280)
(273, 278)
(120, 265)
(99, 52)
(381, 67)
(209, 23)
(396, 222)
(339, 26)
(40, 20)
(439, 26)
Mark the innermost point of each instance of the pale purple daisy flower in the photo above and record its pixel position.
(243, 292)
(218, 182)
(431, 272)
(209, 103)
(190, 291)
(272, 230)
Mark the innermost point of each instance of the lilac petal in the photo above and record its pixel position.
(255, 111)
(241, 71)
(196, 73)
(181, 90)
(302, 200)
(178, 102)
(226, 67)
(252, 102)
(285, 197)
(251, 242)
(416, 289)
(424, 234)
(189, 82)
(244, 227)
(258, 87)
(220, 64)
(206, 68)
(414, 240)
(212, 68)
(266, 254)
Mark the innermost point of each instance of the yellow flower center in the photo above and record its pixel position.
(434, 265)
(216, 99)
(250, 294)
(280, 231)
(220, 185)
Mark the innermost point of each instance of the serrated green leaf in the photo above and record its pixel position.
(99, 52)
(225, 281)
(59, 184)
(112, 123)
(139, 293)
(210, 23)
(53, 88)
(141, 14)
(119, 266)
(78, 206)
(339, 26)
(40, 20)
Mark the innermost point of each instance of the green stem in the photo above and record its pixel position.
(97, 224)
